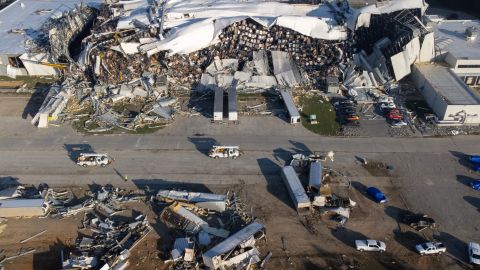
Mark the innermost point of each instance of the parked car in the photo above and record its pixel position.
(348, 110)
(376, 195)
(394, 114)
(474, 253)
(347, 102)
(352, 117)
(474, 159)
(370, 245)
(387, 106)
(430, 248)
(397, 123)
(419, 221)
(475, 184)
(385, 99)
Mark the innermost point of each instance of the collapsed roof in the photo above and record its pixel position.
(22, 21)
(194, 25)
(361, 17)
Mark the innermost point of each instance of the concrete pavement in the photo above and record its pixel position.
(178, 153)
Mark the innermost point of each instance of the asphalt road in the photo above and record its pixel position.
(430, 173)
(35, 158)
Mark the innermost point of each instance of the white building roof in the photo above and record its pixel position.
(30, 15)
(448, 85)
(450, 36)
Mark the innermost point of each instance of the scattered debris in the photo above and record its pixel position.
(220, 233)
(33, 236)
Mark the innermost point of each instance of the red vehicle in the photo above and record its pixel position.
(352, 117)
(394, 114)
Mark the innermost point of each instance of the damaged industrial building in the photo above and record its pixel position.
(134, 65)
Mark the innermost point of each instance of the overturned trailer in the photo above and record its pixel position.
(291, 108)
(232, 104)
(315, 176)
(22, 208)
(218, 105)
(216, 202)
(214, 257)
(295, 188)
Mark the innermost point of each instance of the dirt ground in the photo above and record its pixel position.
(305, 241)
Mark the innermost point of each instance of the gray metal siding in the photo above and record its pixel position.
(218, 105)
(315, 175)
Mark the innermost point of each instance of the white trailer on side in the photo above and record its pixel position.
(295, 188)
(315, 175)
(214, 257)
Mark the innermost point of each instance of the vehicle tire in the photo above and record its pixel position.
(361, 250)
(103, 165)
(234, 157)
(381, 251)
(421, 254)
(440, 253)
(84, 165)
(216, 157)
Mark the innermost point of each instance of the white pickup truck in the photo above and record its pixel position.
(431, 248)
(370, 245)
(91, 159)
(218, 151)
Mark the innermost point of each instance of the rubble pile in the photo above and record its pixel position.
(108, 242)
(317, 196)
(143, 52)
(117, 71)
(107, 238)
(14, 190)
(318, 58)
(315, 57)
(212, 231)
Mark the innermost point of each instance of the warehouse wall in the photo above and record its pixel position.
(471, 113)
(444, 111)
(435, 101)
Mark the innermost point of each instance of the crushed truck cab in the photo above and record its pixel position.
(224, 152)
(88, 159)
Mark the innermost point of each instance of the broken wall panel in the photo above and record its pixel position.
(285, 70)
(38, 64)
(400, 65)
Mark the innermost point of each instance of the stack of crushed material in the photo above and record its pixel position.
(106, 239)
(212, 230)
